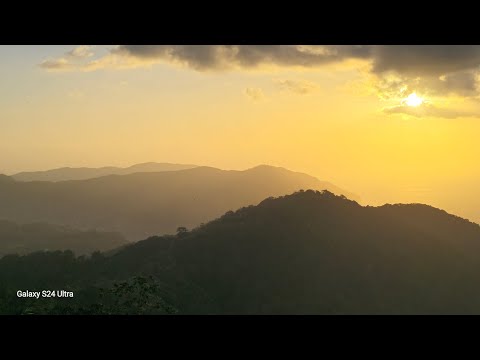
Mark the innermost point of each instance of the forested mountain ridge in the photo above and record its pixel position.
(306, 253)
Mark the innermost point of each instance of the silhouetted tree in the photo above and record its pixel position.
(182, 230)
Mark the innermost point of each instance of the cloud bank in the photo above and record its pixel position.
(221, 57)
(396, 69)
(411, 60)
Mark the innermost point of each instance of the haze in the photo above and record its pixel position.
(388, 123)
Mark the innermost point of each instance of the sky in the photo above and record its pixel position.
(389, 123)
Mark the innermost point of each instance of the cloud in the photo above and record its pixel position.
(428, 69)
(80, 59)
(255, 94)
(222, 57)
(422, 60)
(71, 60)
(301, 87)
(411, 60)
(56, 64)
(392, 69)
(464, 83)
(82, 51)
(427, 110)
(408, 60)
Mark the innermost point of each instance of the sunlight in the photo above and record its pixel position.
(413, 100)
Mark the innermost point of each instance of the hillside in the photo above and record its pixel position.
(68, 173)
(27, 238)
(140, 205)
(306, 253)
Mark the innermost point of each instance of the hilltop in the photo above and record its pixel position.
(306, 253)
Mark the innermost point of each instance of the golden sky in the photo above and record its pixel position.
(390, 123)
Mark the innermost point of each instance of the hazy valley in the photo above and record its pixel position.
(26, 238)
(143, 204)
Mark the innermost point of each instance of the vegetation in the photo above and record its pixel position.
(135, 296)
(307, 253)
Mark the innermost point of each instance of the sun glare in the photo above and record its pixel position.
(413, 100)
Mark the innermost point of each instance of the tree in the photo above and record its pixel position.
(182, 230)
(136, 296)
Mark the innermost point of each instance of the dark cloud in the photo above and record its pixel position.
(214, 57)
(199, 57)
(421, 60)
(404, 59)
(427, 69)
(462, 83)
(434, 69)
(427, 110)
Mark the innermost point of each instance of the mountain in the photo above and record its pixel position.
(318, 253)
(67, 173)
(306, 253)
(144, 204)
(27, 238)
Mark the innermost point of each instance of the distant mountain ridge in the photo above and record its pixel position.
(143, 204)
(84, 173)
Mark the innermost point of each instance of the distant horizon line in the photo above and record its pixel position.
(71, 167)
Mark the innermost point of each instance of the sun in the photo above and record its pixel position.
(413, 100)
